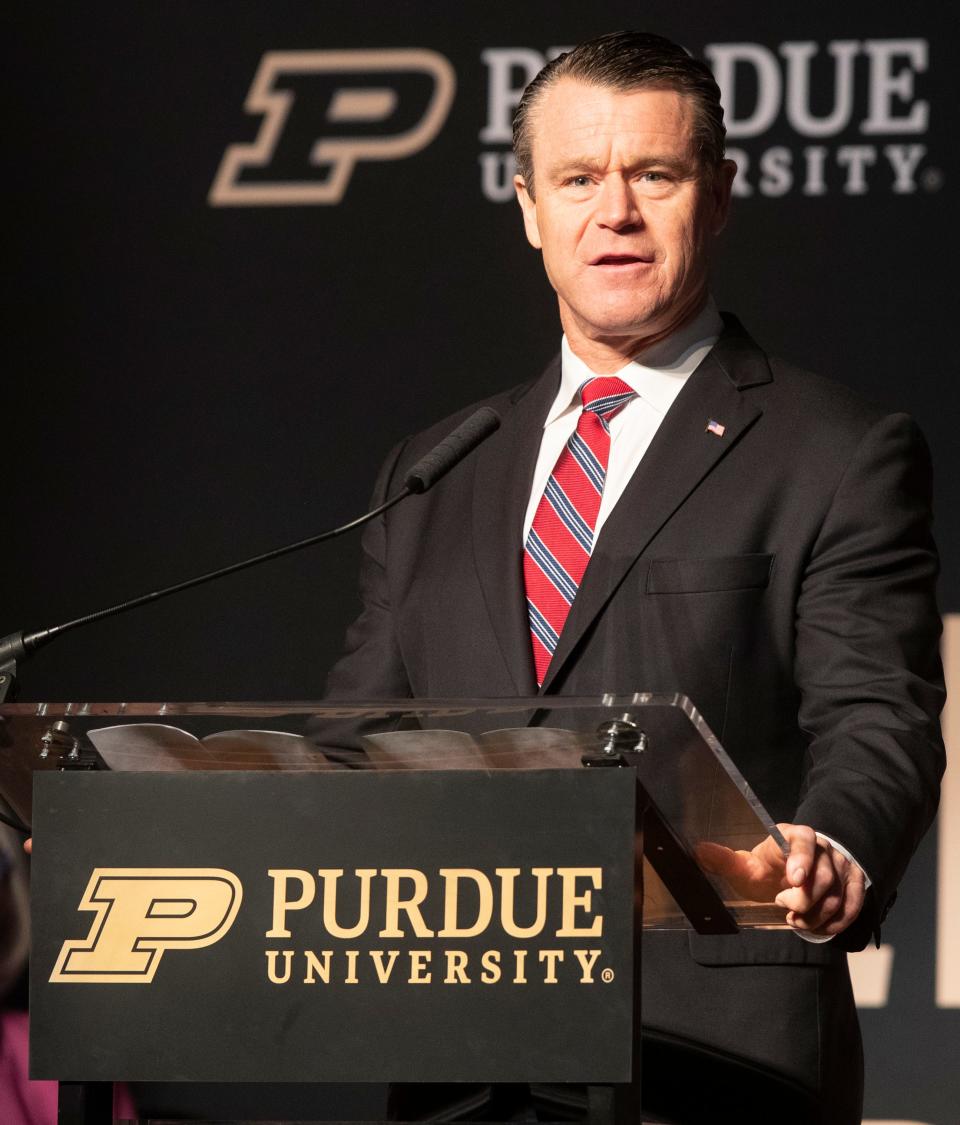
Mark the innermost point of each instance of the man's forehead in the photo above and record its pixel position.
(573, 114)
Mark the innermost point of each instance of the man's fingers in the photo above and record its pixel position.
(720, 860)
(803, 852)
(827, 910)
(755, 875)
(823, 880)
(852, 905)
(836, 910)
(28, 845)
(855, 892)
(715, 858)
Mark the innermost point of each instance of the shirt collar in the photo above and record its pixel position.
(658, 376)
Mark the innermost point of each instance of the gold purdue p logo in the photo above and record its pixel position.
(362, 94)
(142, 911)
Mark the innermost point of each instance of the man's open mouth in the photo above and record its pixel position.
(620, 260)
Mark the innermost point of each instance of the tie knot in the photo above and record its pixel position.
(605, 395)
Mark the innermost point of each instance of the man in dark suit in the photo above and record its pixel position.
(761, 543)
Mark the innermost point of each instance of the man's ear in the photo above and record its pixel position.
(529, 209)
(721, 188)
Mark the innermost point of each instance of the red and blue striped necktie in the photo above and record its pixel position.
(561, 537)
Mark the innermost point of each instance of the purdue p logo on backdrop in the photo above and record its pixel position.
(348, 104)
(141, 913)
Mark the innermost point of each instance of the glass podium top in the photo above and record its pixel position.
(693, 784)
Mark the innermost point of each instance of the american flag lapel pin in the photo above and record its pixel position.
(716, 428)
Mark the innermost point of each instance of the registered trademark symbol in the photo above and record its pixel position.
(607, 976)
(932, 179)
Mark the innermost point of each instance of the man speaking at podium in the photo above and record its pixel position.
(667, 508)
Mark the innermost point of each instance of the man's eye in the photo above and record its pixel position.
(654, 177)
(580, 181)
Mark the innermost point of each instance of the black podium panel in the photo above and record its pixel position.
(340, 926)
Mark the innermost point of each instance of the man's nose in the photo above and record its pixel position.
(617, 205)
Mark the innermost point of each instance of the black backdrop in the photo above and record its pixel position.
(190, 383)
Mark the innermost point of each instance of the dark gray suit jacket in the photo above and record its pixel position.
(781, 575)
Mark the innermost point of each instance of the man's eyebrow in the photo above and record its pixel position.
(571, 165)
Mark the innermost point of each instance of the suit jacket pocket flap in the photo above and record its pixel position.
(762, 947)
(688, 576)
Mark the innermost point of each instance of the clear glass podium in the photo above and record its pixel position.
(691, 779)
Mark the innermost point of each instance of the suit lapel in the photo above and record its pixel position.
(505, 466)
(682, 453)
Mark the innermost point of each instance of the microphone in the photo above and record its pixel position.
(452, 450)
(424, 475)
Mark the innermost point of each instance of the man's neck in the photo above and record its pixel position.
(607, 356)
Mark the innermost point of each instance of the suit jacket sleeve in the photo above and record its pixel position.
(371, 666)
(867, 662)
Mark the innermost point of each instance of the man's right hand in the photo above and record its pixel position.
(28, 845)
(819, 888)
